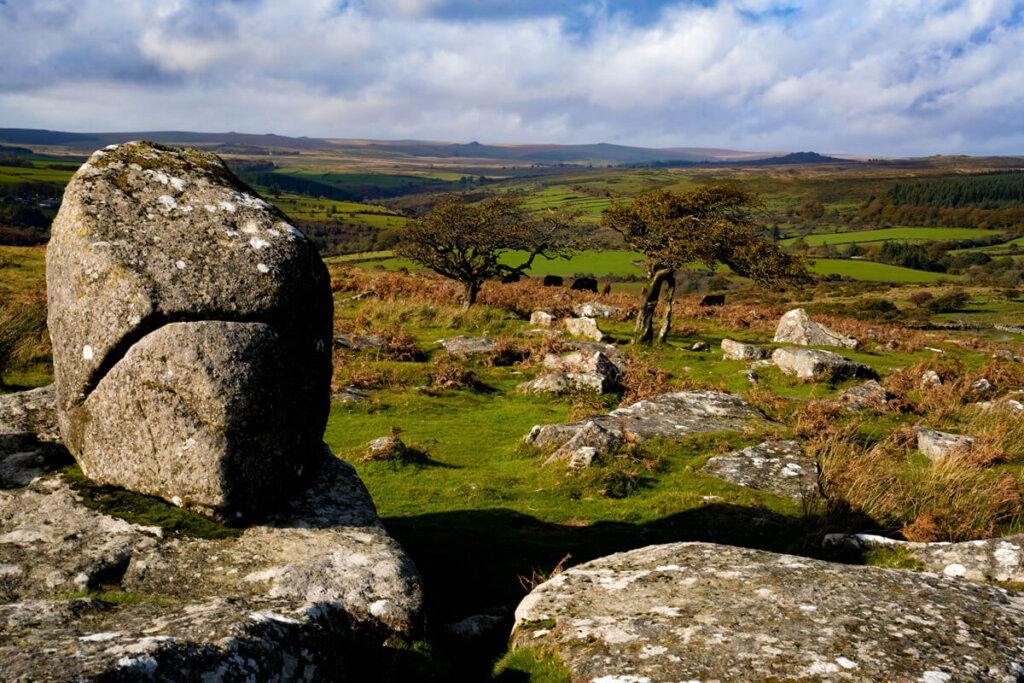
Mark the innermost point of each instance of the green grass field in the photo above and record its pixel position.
(869, 270)
(895, 234)
(306, 208)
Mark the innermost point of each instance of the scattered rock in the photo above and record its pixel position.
(564, 382)
(584, 327)
(383, 448)
(981, 389)
(584, 361)
(469, 346)
(350, 395)
(669, 416)
(734, 350)
(752, 377)
(892, 346)
(318, 587)
(579, 371)
(546, 332)
(542, 319)
(1012, 405)
(796, 327)
(477, 626)
(818, 364)
(1004, 354)
(147, 235)
(779, 467)
(699, 611)
(929, 380)
(358, 342)
(596, 309)
(868, 396)
(700, 346)
(936, 445)
(610, 350)
(994, 559)
(363, 295)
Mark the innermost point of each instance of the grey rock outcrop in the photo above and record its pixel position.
(596, 309)
(542, 319)
(579, 371)
(704, 612)
(734, 350)
(796, 327)
(993, 559)
(584, 361)
(779, 467)
(358, 342)
(868, 396)
(464, 346)
(583, 327)
(929, 380)
(28, 437)
(818, 364)
(147, 237)
(384, 447)
(312, 593)
(936, 445)
(669, 416)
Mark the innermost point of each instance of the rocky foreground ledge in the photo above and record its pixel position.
(311, 593)
(705, 612)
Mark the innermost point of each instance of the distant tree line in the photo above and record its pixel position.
(984, 190)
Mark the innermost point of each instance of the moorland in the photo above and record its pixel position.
(919, 259)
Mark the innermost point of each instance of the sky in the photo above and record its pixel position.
(877, 77)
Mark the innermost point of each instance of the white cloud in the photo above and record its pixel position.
(878, 76)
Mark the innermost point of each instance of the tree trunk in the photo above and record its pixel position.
(666, 320)
(644, 331)
(469, 292)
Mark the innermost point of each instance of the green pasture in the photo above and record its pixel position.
(13, 175)
(869, 270)
(302, 207)
(896, 234)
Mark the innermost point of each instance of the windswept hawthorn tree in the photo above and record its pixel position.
(496, 238)
(711, 226)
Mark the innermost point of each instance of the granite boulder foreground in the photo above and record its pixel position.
(191, 329)
(712, 613)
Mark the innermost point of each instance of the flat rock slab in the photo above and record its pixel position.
(583, 327)
(596, 309)
(818, 364)
(307, 595)
(29, 437)
(993, 559)
(705, 612)
(779, 467)
(469, 346)
(868, 396)
(669, 416)
(358, 342)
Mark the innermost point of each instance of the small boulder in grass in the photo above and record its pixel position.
(584, 327)
(384, 448)
(936, 445)
(542, 319)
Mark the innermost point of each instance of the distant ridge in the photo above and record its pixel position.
(546, 154)
(797, 158)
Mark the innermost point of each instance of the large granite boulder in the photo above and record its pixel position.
(704, 612)
(313, 593)
(583, 327)
(779, 467)
(796, 327)
(180, 297)
(818, 364)
(669, 416)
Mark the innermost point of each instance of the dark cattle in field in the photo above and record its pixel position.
(553, 281)
(584, 284)
(712, 300)
(512, 277)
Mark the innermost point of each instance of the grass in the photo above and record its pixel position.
(869, 270)
(896, 234)
(145, 510)
(530, 664)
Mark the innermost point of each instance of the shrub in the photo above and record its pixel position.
(949, 302)
(920, 298)
(451, 375)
